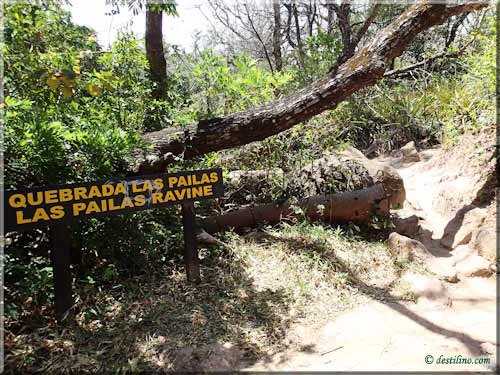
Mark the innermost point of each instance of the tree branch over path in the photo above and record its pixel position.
(363, 69)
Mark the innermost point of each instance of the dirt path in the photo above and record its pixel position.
(397, 335)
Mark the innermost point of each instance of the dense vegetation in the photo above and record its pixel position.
(75, 112)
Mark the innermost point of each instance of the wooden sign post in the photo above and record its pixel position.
(56, 205)
(60, 258)
(190, 244)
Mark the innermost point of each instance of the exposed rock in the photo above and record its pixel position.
(488, 348)
(451, 278)
(474, 265)
(407, 226)
(349, 170)
(393, 184)
(461, 252)
(410, 153)
(428, 289)
(381, 173)
(405, 248)
(452, 194)
(334, 172)
(484, 242)
(459, 230)
(444, 270)
(329, 175)
(396, 153)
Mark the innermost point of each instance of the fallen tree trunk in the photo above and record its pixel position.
(356, 206)
(334, 172)
(363, 69)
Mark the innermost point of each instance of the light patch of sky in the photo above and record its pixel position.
(179, 30)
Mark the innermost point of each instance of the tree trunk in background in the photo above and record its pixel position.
(278, 63)
(300, 46)
(365, 68)
(343, 13)
(154, 52)
(329, 27)
(311, 16)
(350, 43)
(450, 38)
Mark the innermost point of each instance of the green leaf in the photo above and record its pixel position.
(53, 83)
(93, 89)
(67, 91)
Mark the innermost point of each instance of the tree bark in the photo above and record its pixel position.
(311, 13)
(329, 27)
(300, 46)
(450, 38)
(356, 206)
(343, 13)
(350, 43)
(154, 51)
(364, 27)
(278, 62)
(366, 67)
(288, 26)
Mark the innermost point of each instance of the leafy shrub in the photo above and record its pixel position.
(219, 87)
(75, 113)
(321, 53)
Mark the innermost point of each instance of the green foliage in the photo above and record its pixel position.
(219, 87)
(321, 53)
(428, 107)
(75, 113)
(169, 7)
(29, 284)
(392, 115)
(130, 243)
(481, 75)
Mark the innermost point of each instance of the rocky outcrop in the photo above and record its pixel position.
(444, 270)
(459, 230)
(428, 290)
(348, 170)
(474, 265)
(406, 249)
(484, 241)
(334, 172)
(410, 153)
(407, 226)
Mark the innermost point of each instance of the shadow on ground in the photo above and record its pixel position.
(381, 294)
(161, 324)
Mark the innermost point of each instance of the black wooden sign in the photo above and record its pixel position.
(55, 205)
(29, 208)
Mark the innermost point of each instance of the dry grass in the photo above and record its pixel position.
(250, 299)
(324, 270)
